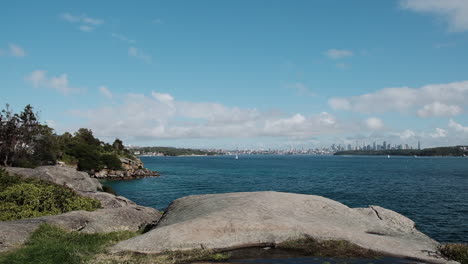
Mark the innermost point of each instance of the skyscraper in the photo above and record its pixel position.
(419, 145)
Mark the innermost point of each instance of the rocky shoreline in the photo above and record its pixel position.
(131, 169)
(223, 222)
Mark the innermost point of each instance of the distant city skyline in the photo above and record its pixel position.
(242, 74)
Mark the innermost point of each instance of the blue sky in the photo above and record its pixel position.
(255, 74)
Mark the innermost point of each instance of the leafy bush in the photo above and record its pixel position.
(111, 161)
(26, 198)
(50, 244)
(455, 251)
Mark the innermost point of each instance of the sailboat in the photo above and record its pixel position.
(388, 156)
(237, 157)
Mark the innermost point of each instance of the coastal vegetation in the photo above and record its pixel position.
(25, 198)
(440, 151)
(455, 251)
(49, 244)
(25, 142)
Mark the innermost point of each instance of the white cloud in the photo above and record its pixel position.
(105, 91)
(51, 123)
(439, 133)
(123, 38)
(60, 83)
(87, 24)
(374, 123)
(16, 50)
(85, 28)
(137, 53)
(457, 127)
(455, 12)
(436, 100)
(161, 116)
(437, 109)
(407, 134)
(338, 53)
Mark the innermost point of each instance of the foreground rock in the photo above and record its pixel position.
(236, 220)
(119, 213)
(132, 218)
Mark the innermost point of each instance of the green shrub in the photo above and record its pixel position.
(50, 245)
(26, 198)
(111, 161)
(455, 251)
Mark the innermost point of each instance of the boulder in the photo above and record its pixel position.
(78, 181)
(133, 218)
(70, 177)
(237, 220)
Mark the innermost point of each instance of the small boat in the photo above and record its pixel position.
(388, 156)
(237, 157)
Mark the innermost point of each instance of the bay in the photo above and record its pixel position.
(432, 191)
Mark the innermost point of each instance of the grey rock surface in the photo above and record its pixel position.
(78, 181)
(70, 177)
(133, 218)
(236, 220)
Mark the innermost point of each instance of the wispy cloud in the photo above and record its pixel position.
(454, 12)
(139, 54)
(458, 127)
(338, 53)
(432, 100)
(16, 50)
(157, 21)
(301, 89)
(105, 91)
(86, 24)
(39, 78)
(123, 38)
(13, 50)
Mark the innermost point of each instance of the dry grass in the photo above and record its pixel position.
(455, 251)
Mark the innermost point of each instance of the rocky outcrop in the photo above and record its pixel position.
(237, 220)
(131, 169)
(133, 218)
(70, 177)
(78, 181)
(119, 213)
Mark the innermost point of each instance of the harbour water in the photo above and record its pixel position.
(432, 191)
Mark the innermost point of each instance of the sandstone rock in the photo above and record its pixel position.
(133, 218)
(78, 181)
(70, 177)
(236, 220)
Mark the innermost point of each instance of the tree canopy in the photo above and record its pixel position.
(25, 142)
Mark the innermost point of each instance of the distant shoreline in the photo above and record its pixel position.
(457, 151)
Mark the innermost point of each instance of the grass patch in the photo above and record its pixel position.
(328, 248)
(25, 198)
(50, 245)
(455, 251)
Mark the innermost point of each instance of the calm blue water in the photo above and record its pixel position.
(432, 191)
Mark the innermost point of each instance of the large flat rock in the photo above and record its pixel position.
(236, 220)
(132, 218)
